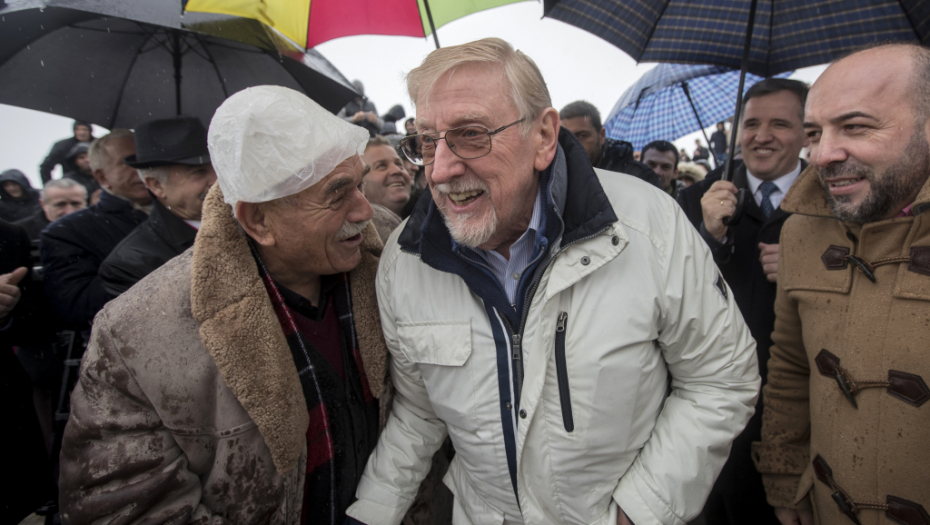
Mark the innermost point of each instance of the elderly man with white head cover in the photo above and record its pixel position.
(243, 381)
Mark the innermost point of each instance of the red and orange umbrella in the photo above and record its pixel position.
(309, 23)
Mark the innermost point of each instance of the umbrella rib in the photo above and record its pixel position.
(122, 87)
(652, 30)
(215, 67)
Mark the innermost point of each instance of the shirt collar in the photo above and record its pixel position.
(784, 182)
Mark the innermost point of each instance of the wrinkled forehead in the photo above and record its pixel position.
(466, 93)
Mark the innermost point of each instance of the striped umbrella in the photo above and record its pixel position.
(672, 100)
(309, 23)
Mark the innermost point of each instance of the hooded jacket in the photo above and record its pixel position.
(189, 408)
(19, 208)
(557, 406)
(833, 320)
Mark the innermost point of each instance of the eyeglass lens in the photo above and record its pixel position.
(468, 142)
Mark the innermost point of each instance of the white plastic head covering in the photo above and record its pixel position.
(268, 142)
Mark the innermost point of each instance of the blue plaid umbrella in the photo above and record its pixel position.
(788, 34)
(672, 100)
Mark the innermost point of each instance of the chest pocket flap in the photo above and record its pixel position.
(445, 343)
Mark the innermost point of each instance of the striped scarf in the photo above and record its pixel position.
(337, 426)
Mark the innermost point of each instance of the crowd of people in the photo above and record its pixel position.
(495, 314)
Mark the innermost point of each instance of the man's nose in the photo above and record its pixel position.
(361, 208)
(828, 150)
(446, 165)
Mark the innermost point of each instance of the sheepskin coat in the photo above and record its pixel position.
(189, 407)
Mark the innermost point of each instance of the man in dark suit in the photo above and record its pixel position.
(73, 247)
(747, 254)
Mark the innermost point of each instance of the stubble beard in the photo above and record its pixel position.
(899, 182)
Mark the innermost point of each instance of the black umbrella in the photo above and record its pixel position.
(140, 64)
(763, 37)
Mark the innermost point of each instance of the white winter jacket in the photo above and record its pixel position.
(626, 313)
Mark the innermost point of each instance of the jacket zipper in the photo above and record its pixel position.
(561, 368)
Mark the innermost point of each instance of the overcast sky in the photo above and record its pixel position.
(575, 64)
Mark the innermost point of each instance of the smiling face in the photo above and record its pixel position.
(486, 202)
(387, 183)
(318, 231)
(772, 135)
(866, 135)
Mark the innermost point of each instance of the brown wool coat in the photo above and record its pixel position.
(882, 447)
(188, 406)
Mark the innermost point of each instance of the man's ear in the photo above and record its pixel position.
(549, 139)
(101, 178)
(603, 134)
(255, 222)
(155, 186)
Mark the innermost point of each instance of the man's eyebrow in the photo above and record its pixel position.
(852, 115)
(337, 184)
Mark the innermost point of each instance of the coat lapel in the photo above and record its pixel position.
(239, 329)
(241, 332)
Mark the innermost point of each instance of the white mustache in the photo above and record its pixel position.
(351, 229)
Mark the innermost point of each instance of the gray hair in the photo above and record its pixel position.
(159, 173)
(528, 90)
(99, 158)
(62, 184)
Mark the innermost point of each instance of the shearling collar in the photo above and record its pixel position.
(806, 196)
(239, 329)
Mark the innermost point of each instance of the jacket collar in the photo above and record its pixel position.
(240, 330)
(576, 205)
(110, 203)
(177, 233)
(806, 196)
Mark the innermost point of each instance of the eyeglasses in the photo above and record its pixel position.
(467, 142)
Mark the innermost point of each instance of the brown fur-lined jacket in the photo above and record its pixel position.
(830, 318)
(189, 407)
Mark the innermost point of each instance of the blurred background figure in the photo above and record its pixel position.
(59, 197)
(718, 142)
(584, 121)
(362, 112)
(18, 199)
(689, 173)
(80, 157)
(61, 149)
(700, 152)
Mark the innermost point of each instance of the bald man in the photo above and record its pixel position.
(845, 425)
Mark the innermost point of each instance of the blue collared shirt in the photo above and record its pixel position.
(508, 273)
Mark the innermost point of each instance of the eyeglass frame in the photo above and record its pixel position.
(490, 133)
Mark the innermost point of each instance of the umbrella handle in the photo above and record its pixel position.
(742, 201)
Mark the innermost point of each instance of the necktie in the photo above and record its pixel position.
(767, 188)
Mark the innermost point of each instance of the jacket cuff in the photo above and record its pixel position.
(781, 466)
(371, 511)
(639, 510)
(721, 250)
